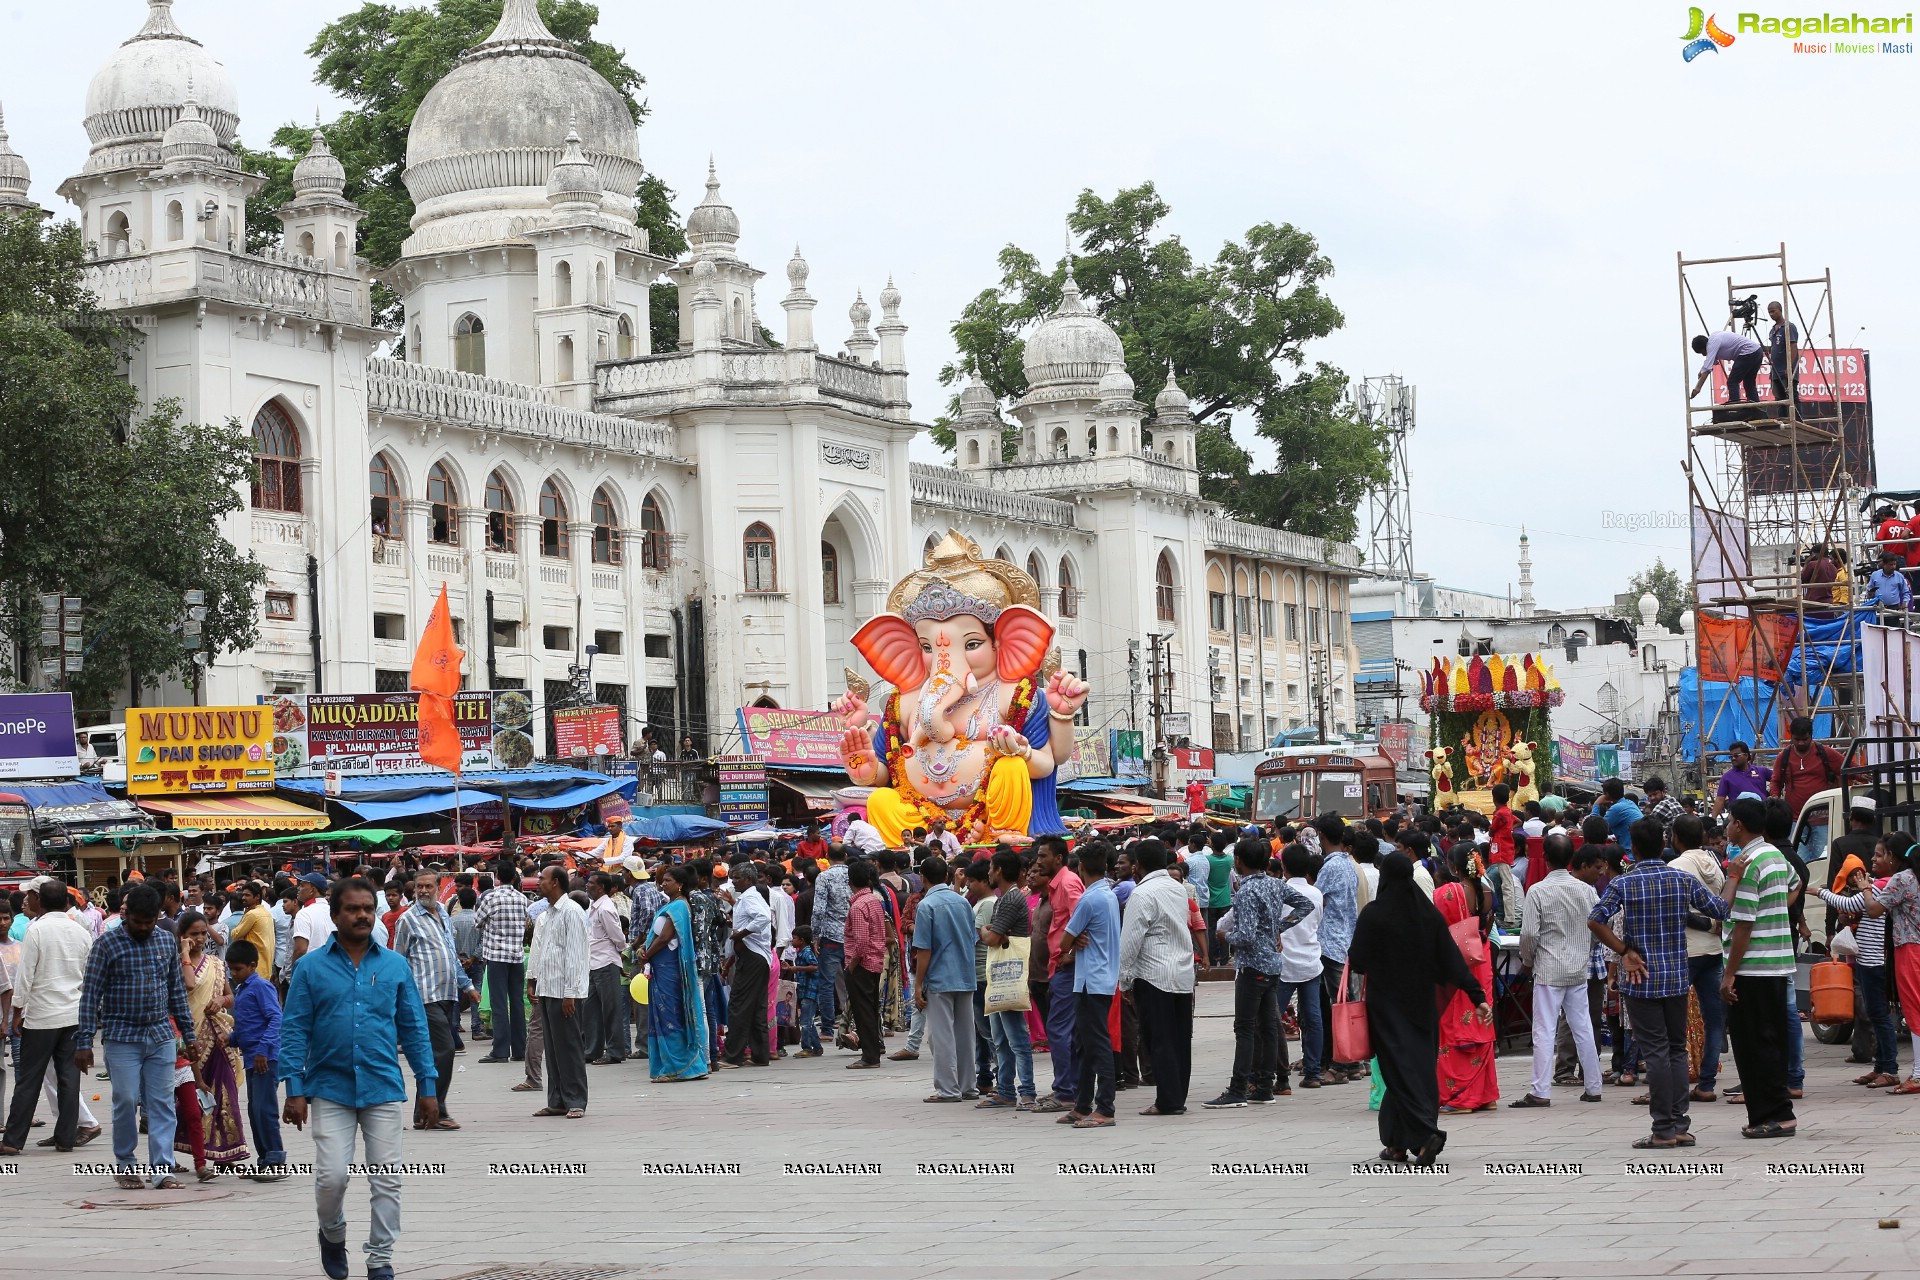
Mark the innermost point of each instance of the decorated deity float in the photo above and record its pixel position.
(1490, 724)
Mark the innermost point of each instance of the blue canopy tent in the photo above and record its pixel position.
(381, 797)
(671, 827)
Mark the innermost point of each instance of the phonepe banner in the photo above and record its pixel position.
(36, 736)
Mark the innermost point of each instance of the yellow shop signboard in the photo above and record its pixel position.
(188, 750)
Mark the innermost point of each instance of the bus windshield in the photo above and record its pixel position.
(1338, 793)
(1277, 795)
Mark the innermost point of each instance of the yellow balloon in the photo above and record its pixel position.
(639, 988)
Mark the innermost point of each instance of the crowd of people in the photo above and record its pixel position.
(1045, 979)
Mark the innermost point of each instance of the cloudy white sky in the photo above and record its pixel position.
(1502, 189)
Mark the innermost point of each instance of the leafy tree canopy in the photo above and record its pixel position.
(1234, 330)
(122, 512)
(1667, 586)
(383, 59)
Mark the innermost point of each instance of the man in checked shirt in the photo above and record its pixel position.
(1655, 899)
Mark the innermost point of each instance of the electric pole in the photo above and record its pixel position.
(1153, 641)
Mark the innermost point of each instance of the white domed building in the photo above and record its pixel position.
(715, 519)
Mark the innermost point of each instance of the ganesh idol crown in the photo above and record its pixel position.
(973, 731)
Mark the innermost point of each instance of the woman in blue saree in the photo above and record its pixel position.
(676, 1017)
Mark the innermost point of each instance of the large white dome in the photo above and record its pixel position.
(1071, 347)
(139, 91)
(487, 136)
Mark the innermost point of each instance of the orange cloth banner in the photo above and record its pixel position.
(1737, 648)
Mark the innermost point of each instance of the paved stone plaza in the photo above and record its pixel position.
(1033, 1223)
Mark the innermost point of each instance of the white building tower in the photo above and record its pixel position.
(1524, 605)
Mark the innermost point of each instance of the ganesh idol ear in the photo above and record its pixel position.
(1022, 636)
(889, 643)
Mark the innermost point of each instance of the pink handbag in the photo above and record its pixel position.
(1351, 1043)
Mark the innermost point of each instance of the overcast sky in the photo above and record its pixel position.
(1502, 189)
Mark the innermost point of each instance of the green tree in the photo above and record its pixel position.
(1667, 586)
(122, 512)
(1234, 329)
(383, 59)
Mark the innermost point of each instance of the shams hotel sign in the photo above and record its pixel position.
(1828, 33)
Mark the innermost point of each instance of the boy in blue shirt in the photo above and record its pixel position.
(256, 1034)
(806, 985)
(1887, 586)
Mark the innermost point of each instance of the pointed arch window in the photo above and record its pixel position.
(443, 505)
(1036, 570)
(926, 552)
(1163, 598)
(383, 496)
(470, 344)
(1069, 594)
(499, 502)
(276, 460)
(623, 338)
(606, 529)
(554, 543)
(656, 547)
(829, 573)
(762, 570)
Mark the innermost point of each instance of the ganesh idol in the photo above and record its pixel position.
(970, 733)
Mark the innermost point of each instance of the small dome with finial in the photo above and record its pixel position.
(191, 140)
(860, 313)
(1071, 347)
(575, 180)
(713, 223)
(1116, 384)
(889, 298)
(14, 178)
(319, 171)
(977, 400)
(1172, 402)
(797, 270)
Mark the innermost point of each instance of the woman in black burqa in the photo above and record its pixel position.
(1402, 945)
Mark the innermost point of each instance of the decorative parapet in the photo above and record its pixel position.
(947, 488)
(403, 390)
(677, 378)
(1278, 544)
(286, 284)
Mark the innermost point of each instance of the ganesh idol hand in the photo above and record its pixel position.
(856, 748)
(1066, 694)
(1006, 741)
(852, 708)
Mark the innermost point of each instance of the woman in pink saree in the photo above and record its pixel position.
(217, 1069)
(1468, 1081)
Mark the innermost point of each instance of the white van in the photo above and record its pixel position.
(109, 751)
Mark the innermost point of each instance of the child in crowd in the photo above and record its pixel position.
(806, 968)
(256, 1034)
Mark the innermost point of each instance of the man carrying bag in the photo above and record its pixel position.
(1009, 937)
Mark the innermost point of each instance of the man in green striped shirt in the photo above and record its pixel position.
(1760, 960)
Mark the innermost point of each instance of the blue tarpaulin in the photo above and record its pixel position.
(1828, 647)
(379, 797)
(676, 826)
(42, 795)
(1748, 712)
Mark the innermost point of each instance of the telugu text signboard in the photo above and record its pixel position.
(781, 737)
(184, 750)
(743, 790)
(318, 733)
(586, 731)
(36, 736)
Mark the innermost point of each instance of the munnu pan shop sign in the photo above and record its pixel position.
(184, 750)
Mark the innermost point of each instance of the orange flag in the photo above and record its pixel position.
(436, 676)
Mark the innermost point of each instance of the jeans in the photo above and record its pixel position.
(1796, 1039)
(1093, 1051)
(263, 1114)
(1330, 985)
(506, 981)
(1871, 982)
(949, 1019)
(982, 1041)
(1013, 1053)
(1309, 1021)
(334, 1129)
(916, 1027)
(1743, 377)
(1660, 1027)
(714, 991)
(810, 1025)
(49, 1047)
(1256, 1032)
(142, 1081)
(832, 959)
(1704, 972)
(1061, 1045)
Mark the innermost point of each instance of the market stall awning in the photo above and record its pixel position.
(379, 797)
(371, 838)
(240, 813)
(816, 792)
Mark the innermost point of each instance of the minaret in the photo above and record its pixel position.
(893, 352)
(14, 179)
(1525, 603)
(861, 343)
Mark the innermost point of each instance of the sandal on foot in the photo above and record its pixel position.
(1685, 1140)
(446, 1124)
(993, 1103)
(548, 1111)
(168, 1183)
(1906, 1086)
(1768, 1130)
(1654, 1144)
(128, 1182)
(1094, 1122)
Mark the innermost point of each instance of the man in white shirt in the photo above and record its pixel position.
(313, 923)
(557, 976)
(606, 993)
(864, 836)
(1156, 964)
(46, 1011)
(1557, 945)
(1301, 969)
(947, 844)
(752, 969)
(1743, 353)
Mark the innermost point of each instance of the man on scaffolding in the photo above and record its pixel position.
(1783, 357)
(1743, 371)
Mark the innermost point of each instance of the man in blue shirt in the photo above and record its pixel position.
(1093, 938)
(352, 1008)
(1887, 587)
(944, 939)
(1621, 812)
